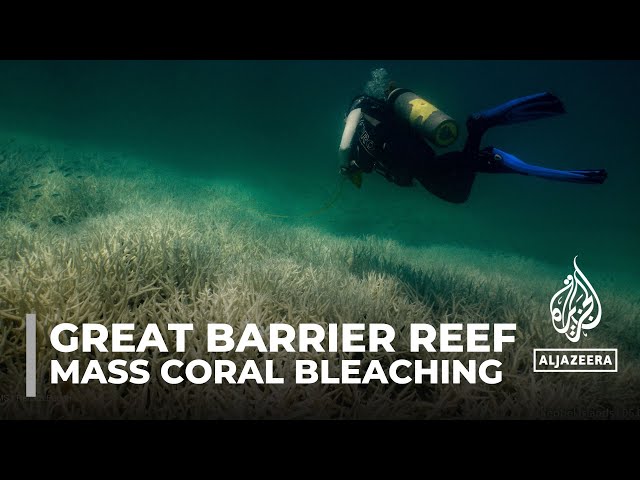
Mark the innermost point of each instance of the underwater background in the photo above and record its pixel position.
(150, 191)
(273, 127)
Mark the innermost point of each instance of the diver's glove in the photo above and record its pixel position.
(353, 173)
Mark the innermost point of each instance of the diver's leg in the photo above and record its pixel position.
(449, 176)
(475, 131)
(493, 160)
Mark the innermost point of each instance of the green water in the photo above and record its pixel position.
(273, 128)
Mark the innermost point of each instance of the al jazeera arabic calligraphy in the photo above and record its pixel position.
(575, 307)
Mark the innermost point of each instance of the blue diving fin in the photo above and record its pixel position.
(523, 109)
(511, 163)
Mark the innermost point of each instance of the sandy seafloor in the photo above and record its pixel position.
(139, 192)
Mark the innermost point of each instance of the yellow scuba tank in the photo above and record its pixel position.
(435, 125)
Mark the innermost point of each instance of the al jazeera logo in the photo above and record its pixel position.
(575, 312)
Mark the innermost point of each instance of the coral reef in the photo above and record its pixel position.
(123, 242)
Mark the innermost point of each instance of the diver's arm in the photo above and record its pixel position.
(348, 133)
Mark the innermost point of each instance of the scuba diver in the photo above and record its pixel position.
(387, 129)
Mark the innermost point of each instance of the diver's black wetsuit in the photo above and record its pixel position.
(395, 150)
(384, 143)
